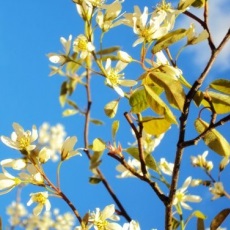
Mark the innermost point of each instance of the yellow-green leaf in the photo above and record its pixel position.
(96, 122)
(169, 39)
(173, 88)
(72, 103)
(213, 139)
(115, 127)
(156, 125)
(98, 145)
(138, 101)
(108, 50)
(94, 180)
(219, 219)
(69, 112)
(185, 4)
(110, 109)
(63, 93)
(221, 85)
(199, 3)
(158, 105)
(220, 102)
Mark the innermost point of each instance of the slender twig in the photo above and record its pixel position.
(183, 119)
(152, 184)
(138, 135)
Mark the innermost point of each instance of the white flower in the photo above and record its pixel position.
(133, 225)
(16, 211)
(83, 46)
(7, 182)
(114, 78)
(33, 176)
(99, 219)
(41, 198)
(66, 44)
(217, 190)
(106, 20)
(20, 139)
(56, 58)
(165, 167)
(67, 150)
(200, 161)
(181, 197)
(44, 155)
(96, 3)
(135, 164)
(224, 163)
(124, 57)
(147, 31)
(16, 164)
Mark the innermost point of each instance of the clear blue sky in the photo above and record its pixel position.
(29, 30)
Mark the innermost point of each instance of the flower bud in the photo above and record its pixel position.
(124, 57)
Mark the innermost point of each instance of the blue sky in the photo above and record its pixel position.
(29, 30)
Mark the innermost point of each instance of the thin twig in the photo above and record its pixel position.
(152, 184)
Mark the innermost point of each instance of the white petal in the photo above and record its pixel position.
(119, 91)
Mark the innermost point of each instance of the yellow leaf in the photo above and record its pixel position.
(110, 109)
(98, 145)
(69, 112)
(221, 85)
(156, 126)
(115, 127)
(213, 139)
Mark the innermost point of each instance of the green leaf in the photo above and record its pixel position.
(95, 159)
(63, 93)
(221, 85)
(115, 127)
(155, 125)
(108, 50)
(158, 105)
(185, 4)
(72, 103)
(220, 102)
(213, 139)
(173, 88)
(138, 101)
(110, 109)
(149, 159)
(169, 39)
(69, 112)
(94, 180)
(96, 122)
(219, 219)
(98, 145)
(199, 3)
(175, 223)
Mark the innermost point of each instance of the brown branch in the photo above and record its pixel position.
(212, 126)
(138, 135)
(152, 184)
(204, 25)
(183, 119)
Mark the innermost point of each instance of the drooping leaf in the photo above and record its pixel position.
(96, 122)
(169, 39)
(138, 101)
(173, 88)
(213, 139)
(95, 160)
(110, 109)
(221, 85)
(158, 105)
(72, 103)
(156, 125)
(220, 102)
(108, 50)
(98, 145)
(219, 219)
(69, 112)
(115, 127)
(94, 180)
(63, 93)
